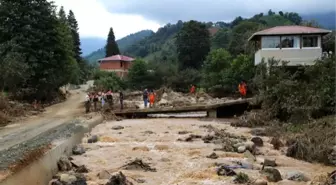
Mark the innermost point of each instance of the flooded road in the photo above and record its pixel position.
(162, 144)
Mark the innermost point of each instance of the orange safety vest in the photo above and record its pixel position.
(151, 97)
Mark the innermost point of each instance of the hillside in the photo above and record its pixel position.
(123, 44)
(160, 46)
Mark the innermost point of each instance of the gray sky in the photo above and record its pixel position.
(164, 11)
(95, 17)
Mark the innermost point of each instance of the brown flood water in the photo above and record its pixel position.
(177, 162)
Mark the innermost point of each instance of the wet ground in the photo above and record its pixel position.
(155, 141)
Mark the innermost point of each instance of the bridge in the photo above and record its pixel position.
(223, 109)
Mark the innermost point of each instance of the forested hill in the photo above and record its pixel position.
(160, 46)
(231, 36)
(123, 44)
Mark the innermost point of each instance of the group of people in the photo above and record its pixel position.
(149, 96)
(101, 97)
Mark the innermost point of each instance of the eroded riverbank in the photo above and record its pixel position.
(180, 151)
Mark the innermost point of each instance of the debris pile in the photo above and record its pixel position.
(69, 173)
(138, 164)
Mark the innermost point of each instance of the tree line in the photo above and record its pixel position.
(39, 49)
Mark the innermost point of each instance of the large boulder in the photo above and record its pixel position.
(272, 174)
(64, 164)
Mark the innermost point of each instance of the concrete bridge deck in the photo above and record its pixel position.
(212, 109)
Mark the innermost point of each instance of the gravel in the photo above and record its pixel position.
(17, 152)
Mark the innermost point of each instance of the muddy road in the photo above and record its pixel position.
(181, 151)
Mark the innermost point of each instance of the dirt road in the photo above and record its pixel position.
(54, 116)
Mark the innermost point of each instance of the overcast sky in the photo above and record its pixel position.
(95, 17)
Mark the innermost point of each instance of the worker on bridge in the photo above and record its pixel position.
(109, 98)
(151, 98)
(242, 89)
(145, 97)
(192, 89)
(121, 97)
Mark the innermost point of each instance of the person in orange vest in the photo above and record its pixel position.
(192, 89)
(151, 98)
(242, 89)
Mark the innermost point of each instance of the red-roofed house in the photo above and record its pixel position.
(116, 63)
(300, 45)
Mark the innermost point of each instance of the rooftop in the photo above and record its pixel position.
(290, 30)
(117, 58)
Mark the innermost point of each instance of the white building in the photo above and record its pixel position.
(299, 45)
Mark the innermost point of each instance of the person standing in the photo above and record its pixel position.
(121, 98)
(95, 101)
(151, 99)
(192, 89)
(102, 99)
(145, 97)
(242, 89)
(87, 103)
(109, 98)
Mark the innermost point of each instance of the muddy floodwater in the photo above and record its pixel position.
(161, 143)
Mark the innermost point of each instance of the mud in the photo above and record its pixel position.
(152, 143)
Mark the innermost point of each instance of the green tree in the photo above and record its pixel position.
(239, 43)
(221, 39)
(192, 44)
(139, 76)
(104, 80)
(75, 35)
(37, 36)
(73, 70)
(111, 45)
(82, 64)
(222, 73)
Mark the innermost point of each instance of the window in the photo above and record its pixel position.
(121, 64)
(270, 42)
(290, 42)
(309, 41)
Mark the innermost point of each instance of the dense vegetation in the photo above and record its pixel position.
(39, 49)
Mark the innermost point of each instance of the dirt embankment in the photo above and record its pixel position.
(185, 151)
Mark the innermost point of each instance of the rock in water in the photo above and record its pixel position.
(67, 178)
(225, 171)
(117, 127)
(272, 174)
(104, 175)
(93, 139)
(297, 176)
(270, 162)
(260, 182)
(257, 141)
(213, 156)
(251, 158)
(82, 169)
(118, 179)
(78, 150)
(241, 149)
(64, 164)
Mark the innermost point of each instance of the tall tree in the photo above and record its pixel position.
(75, 35)
(37, 37)
(111, 45)
(67, 35)
(192, 44)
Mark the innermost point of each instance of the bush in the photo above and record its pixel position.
(183, 79)
(297, 94)
(104, 80)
